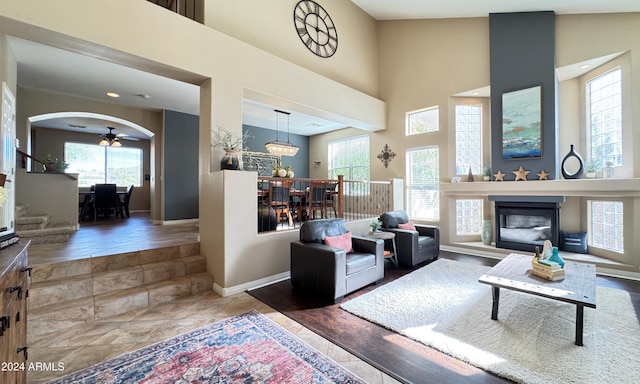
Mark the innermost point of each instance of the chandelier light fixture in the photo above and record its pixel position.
(110, 139)
(277, 147)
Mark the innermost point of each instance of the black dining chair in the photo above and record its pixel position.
(125, 202)
(105, 200)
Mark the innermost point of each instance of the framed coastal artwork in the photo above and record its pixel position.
(522, 123)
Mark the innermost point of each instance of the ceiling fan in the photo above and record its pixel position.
(110, 139)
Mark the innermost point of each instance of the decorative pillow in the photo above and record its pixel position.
(409, 226)
(573, 242)
(341, 241)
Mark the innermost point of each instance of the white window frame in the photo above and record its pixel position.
(409, 126)
(137, 183)
(434, 186)
(461, 215)
(476, 168)
(333, 146)
(611, 119)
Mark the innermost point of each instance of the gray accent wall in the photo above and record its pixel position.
(181, 190)
(260, 136)
(522, 55)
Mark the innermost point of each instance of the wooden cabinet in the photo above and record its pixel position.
(14, 286)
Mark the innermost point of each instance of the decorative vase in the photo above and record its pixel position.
(576, 155)
(487, 232)
(231, 160)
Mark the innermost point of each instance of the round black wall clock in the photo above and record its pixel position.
(315, 28)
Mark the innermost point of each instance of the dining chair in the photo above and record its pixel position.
(316, 200)
(331, 198)
(105, 200)
(125, 202)
(279, 198)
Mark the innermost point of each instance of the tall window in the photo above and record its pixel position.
(606, 225)
(468, 139)
(468, 216)
(422, 121)
(96, 164)
(349, 157)
(423, 183)
(605, 117)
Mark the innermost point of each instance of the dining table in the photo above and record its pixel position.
(87, 197)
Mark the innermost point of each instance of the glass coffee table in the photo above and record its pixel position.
(514, 273)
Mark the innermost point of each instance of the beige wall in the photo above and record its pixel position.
(32, 103)
(52, 141)
(269, 26)
(425, 63)
(8, 65)
(235, 70)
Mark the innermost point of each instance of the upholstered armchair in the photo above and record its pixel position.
(332, 262)
(414, 246)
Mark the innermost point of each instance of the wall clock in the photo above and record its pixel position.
(315, 28)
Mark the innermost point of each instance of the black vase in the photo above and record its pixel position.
(231, 160)
(578, 173)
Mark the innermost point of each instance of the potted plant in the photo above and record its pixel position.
(375, 226)
(592, 167)
(56, 163)
(232, 144)
(486, 172)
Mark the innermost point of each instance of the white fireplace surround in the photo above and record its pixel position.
(625, 190)
(613, 188)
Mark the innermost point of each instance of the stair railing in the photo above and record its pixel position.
(46, 167)
(188, 8)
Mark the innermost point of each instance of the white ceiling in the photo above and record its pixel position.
(436, 9)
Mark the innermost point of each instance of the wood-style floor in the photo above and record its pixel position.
(402, 358)
(111, 236)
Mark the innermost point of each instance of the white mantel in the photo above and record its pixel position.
(578, 187)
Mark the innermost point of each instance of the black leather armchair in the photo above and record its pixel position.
(414, 247)
(330, 271)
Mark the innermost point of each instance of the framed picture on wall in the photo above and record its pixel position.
(522, 123)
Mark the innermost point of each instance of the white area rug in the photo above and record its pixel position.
(443, 305)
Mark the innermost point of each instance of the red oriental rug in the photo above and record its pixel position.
(248, 348)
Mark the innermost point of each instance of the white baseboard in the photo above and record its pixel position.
(250, 285)
(176, 222)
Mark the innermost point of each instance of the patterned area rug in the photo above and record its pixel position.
(248, 348)
(443, 306)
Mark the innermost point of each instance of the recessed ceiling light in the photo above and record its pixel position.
(584, 66)
(314, 125)
(112, 94)
(476, 93)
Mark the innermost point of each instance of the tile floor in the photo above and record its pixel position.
(98, 341)
(95, 342)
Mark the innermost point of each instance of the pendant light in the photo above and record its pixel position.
(277, 147)
(110, 139)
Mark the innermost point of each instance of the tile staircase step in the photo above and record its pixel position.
(29, 222)
(117, 303)
(111, 281)
(115, 284)
(165, 270)
(57, 291)
(58, 316)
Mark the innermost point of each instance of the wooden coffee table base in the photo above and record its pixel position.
(514, 273)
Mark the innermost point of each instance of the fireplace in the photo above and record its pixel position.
(524, 222)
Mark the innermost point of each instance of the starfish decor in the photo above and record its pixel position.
(543, 175)
(521, 174)
(386, 155)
